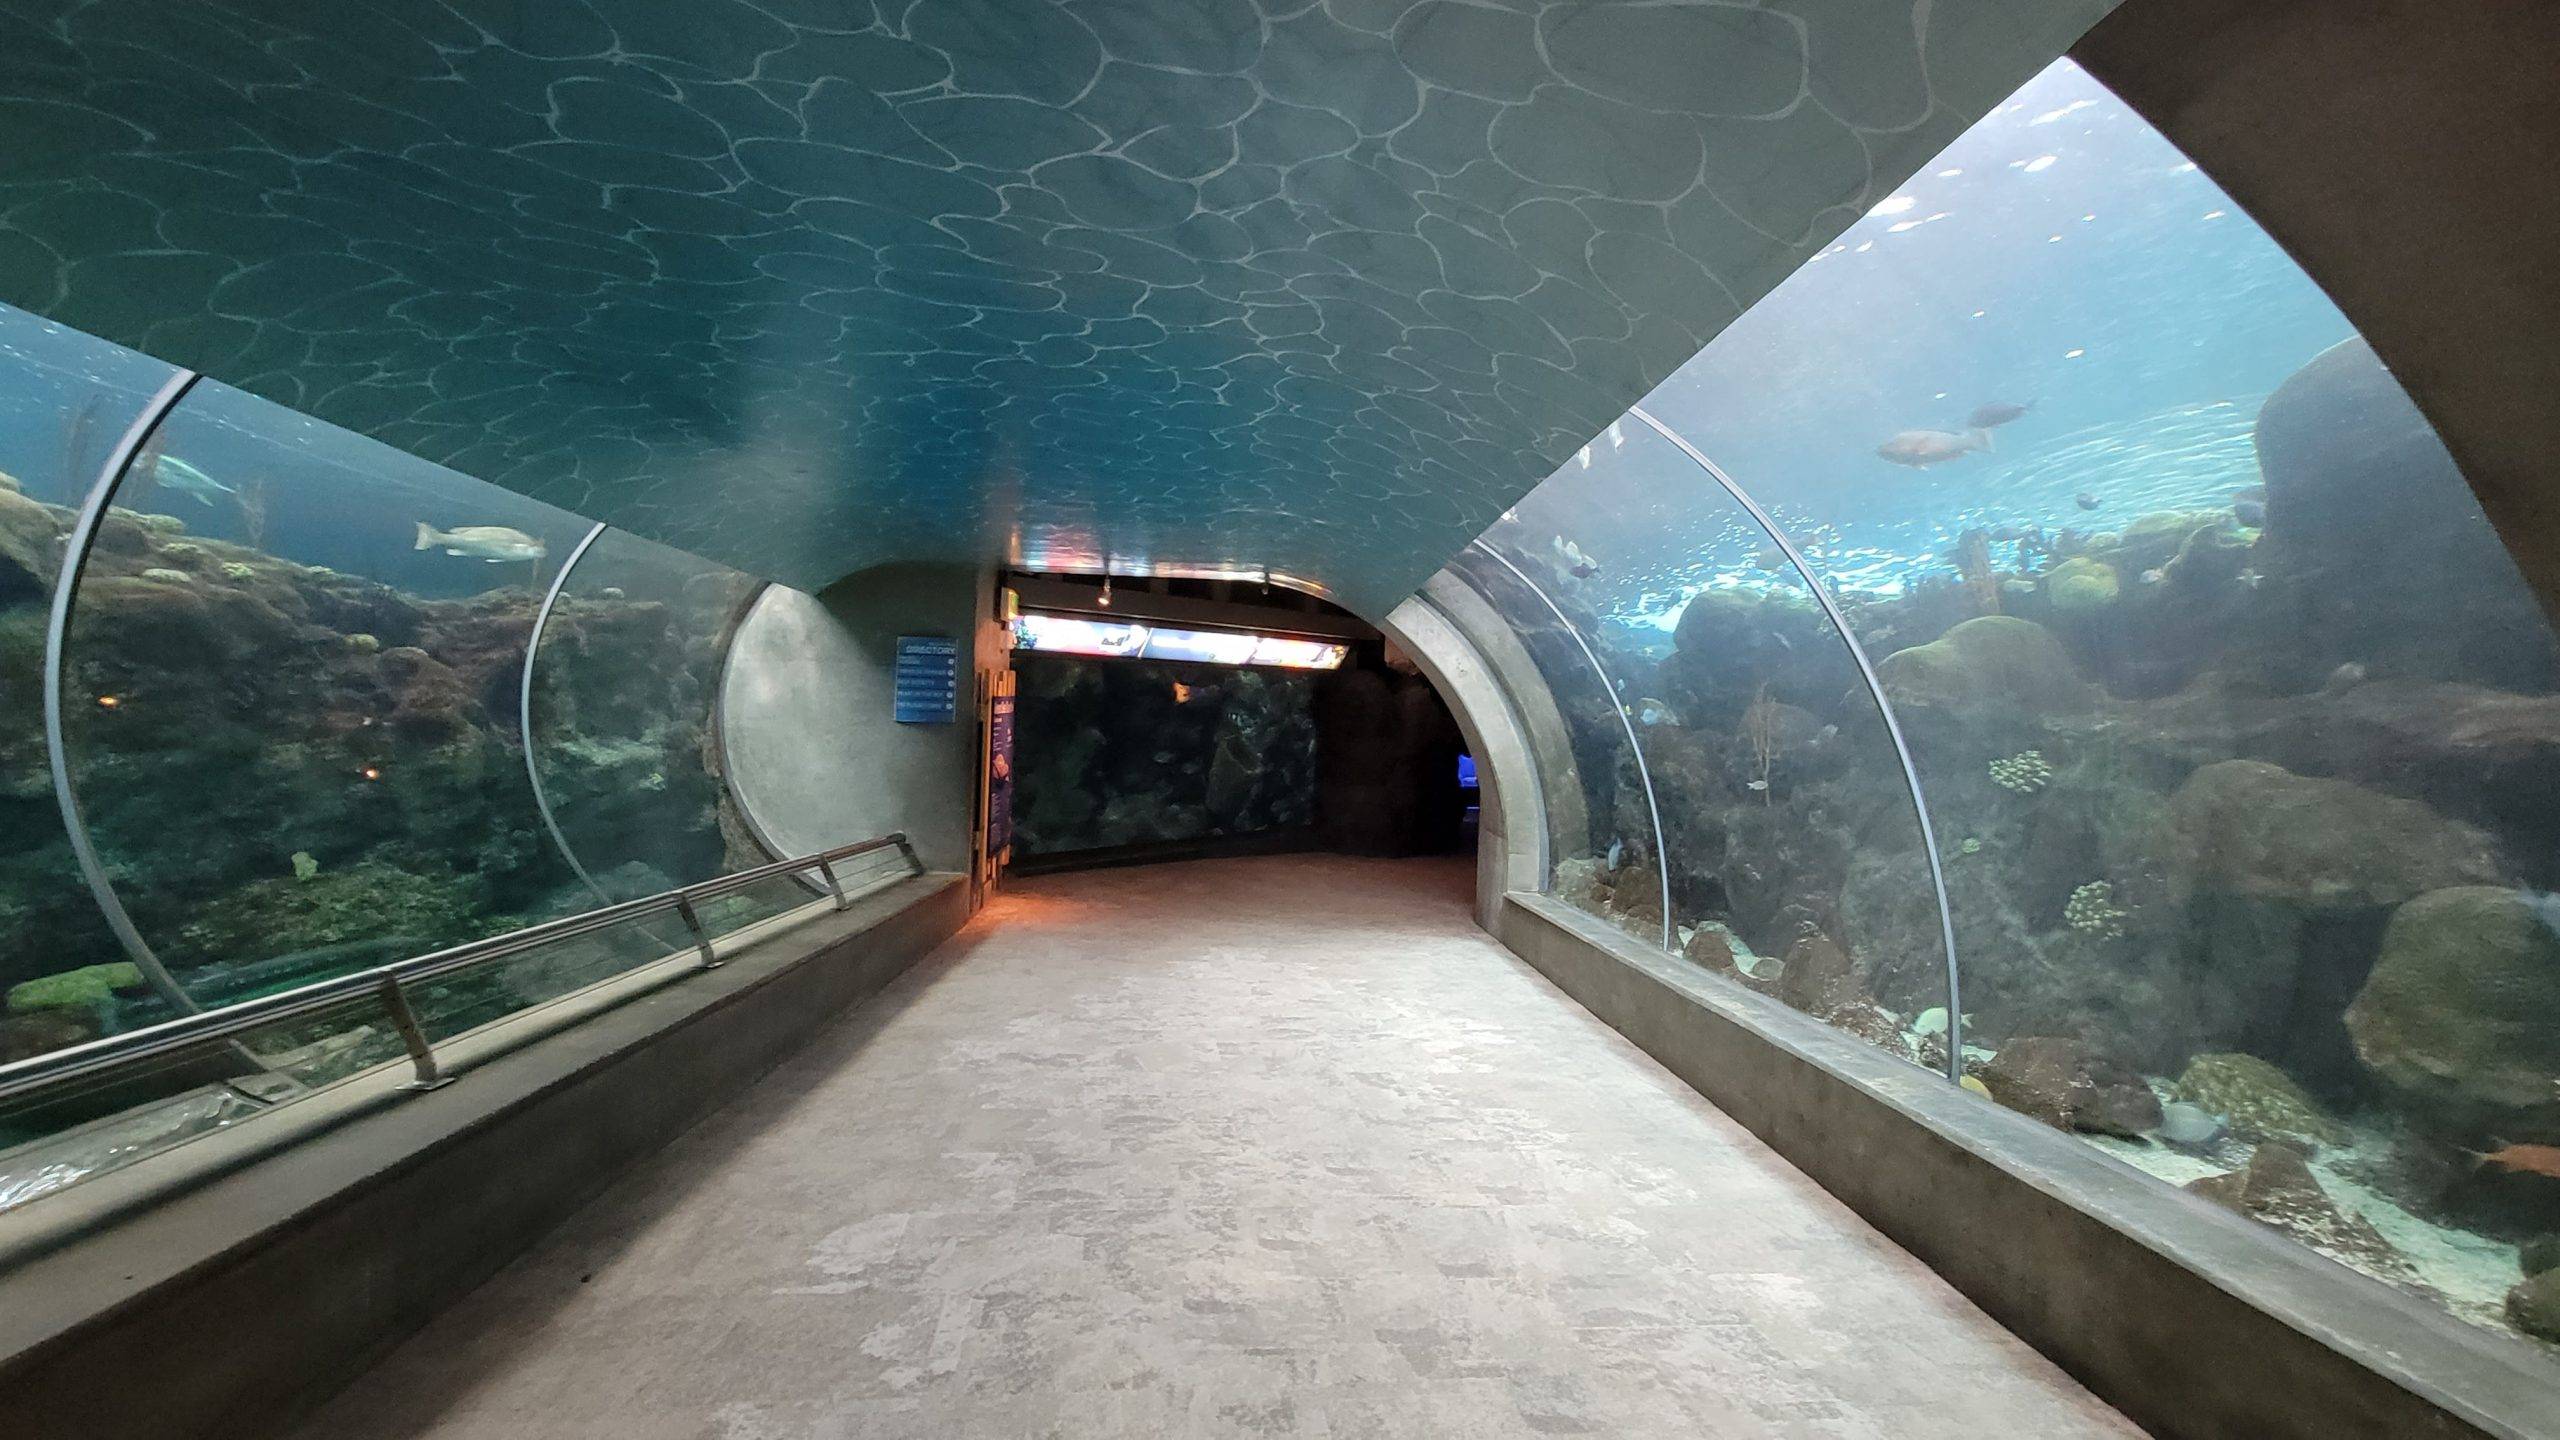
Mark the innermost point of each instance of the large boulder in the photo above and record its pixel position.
(2070, 1086)
(2255, 831)
(2375, 548)
(2277, 1187)
(1995, 662)
(2460, 1019)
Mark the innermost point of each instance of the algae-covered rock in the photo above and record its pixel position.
(333, 907)
(2068, 1085)
(2460, 1018)
(2260, 1101)
(2256, 831)
(1818, 976)
(2533, 1306)
(2082, 584)
(2539, 1255)
(1995, 661)
(78, 989)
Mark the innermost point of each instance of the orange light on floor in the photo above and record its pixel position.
(371, 773)
(108, 702)
(1181, 693)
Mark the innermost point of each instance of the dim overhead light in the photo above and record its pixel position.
(1106, 592)
(108, 702)
(370, 773)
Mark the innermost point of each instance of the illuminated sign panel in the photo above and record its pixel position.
(1071, 635)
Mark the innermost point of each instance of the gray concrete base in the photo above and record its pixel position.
(2190, 1319)
(231, 1307)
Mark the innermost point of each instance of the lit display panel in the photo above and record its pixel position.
(1071, 635)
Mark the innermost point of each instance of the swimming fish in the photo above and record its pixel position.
(2541, 1160)
(1617, 853)
(1996, 412)
(1921, 449)
(1575, 563)
(1650, 711)
(171, 473)
(2087, 501)
(493, 543)
(2190, 1127)
(1772, 558)
(1756, 786)
(2155, 576)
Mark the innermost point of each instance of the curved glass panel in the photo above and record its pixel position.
(1602, 841)
(65, 398)
(624, 687)
(2238, 722)
(1791, 843)
(289, 692)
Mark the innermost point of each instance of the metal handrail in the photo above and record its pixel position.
(388, 984)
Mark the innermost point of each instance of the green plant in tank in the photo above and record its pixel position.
(2024, 773)
(239, 570)
(304, 865)
(364, 644)
(2092, 910)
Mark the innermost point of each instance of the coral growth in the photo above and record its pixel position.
(2024, 773)
(2092, 910)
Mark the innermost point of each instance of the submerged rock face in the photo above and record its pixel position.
(2460, 1019)
(2256, 831)
(2277, 1188)
(2374, 542)
(1993, 662)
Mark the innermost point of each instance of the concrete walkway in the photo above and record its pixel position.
(1253, 1147)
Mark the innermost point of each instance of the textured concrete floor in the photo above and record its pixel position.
(1254, 1147)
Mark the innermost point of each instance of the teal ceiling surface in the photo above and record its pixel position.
(803, 285)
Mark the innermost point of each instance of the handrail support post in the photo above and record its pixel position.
(701, 937)
(835, 887)
(422, 1055)
(907, 848)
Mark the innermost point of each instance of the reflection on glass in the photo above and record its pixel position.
(623, 695)
(2237, 724)
(64, 1137)
(290, 690)
(1068, 635)
(65, 398)
(1792, 851)
(1214, 647)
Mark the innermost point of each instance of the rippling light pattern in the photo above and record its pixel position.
(1314, 287)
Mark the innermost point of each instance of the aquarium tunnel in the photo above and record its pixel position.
(1413, 718)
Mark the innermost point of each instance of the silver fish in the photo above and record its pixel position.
(1650, 711)
(1921, 449)
(1996, 412)
(171, 473)
(493, 543)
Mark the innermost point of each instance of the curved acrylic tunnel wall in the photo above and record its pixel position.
(2239, 733)
(291, 668)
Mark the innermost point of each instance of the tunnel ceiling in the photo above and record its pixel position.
(803, 285)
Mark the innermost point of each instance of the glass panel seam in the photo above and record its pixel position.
(1884, 707)
(66, 585)
(1635, 747)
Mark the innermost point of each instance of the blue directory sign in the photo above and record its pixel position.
(928, 679)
